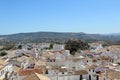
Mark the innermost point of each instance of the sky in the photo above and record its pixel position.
(89, 16)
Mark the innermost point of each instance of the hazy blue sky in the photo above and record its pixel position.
(90, 16)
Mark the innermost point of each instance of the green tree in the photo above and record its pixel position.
(3, 53)
(75, 45)
(51, 46)
(20, 47)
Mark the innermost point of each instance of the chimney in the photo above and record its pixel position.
(97, 77)
(89, 77)
(81, 77)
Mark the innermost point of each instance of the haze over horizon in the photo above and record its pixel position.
(88, 16)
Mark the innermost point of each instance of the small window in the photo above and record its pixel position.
(89, 69)
(46, 72)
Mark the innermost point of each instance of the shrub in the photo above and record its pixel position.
(3, 53)
(75, 45)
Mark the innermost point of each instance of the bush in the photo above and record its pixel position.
(75, 45)
(51, 46)
(20, 47)
(3, 53)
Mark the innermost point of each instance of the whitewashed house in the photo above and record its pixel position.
(44, 45)
(96, 46)
(5, 69)
(58, 47)
(66, 53)
(59, 57)
(29, 63)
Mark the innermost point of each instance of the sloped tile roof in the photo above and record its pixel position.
(29, 71)
(32, 77)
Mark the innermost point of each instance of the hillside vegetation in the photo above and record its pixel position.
(58, 37)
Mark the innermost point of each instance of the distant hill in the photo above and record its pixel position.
(58, 36)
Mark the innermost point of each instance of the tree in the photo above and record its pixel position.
(51, 46)
(20, 47)
(3, 53)
(75, 45)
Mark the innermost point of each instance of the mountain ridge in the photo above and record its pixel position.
(59, 36)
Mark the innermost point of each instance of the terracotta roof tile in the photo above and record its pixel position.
(29, 71)
(32, 77)
(81, 72)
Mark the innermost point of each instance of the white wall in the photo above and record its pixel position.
(58, 47)
(7, 68)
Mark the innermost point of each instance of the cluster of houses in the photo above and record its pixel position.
(35, 62)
